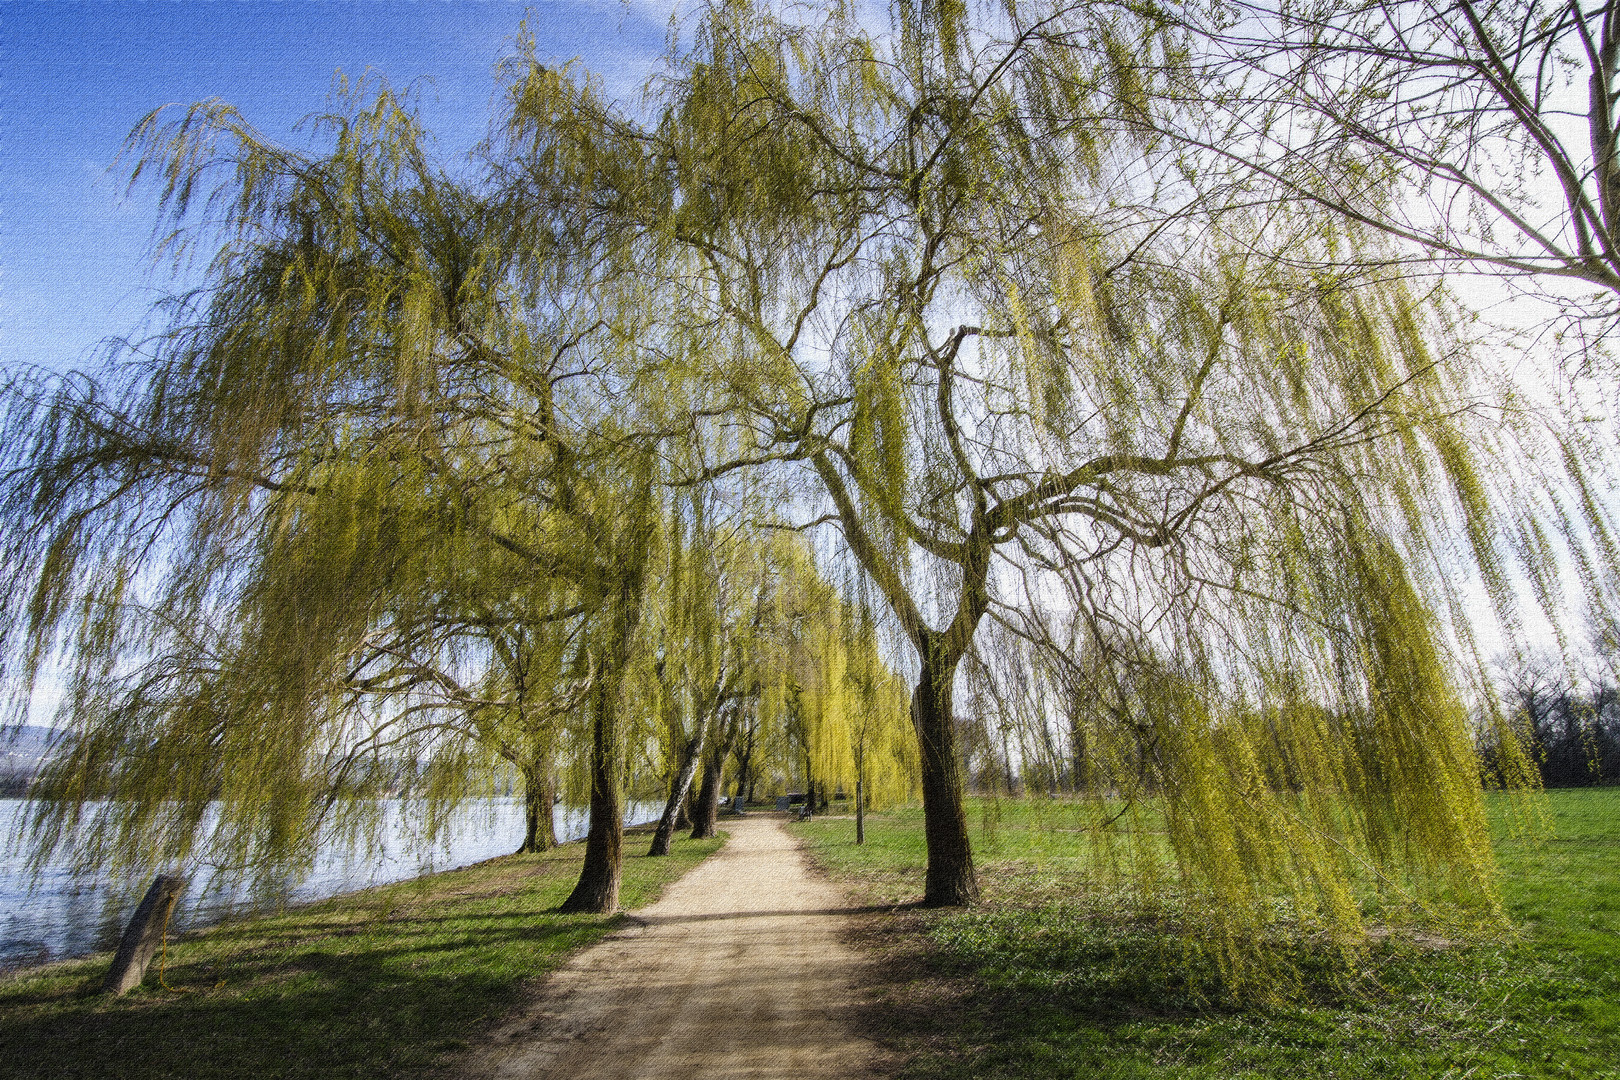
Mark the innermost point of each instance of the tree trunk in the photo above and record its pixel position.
(539, 796)
(678, 789)
(1079, 773)
(706, 813)
(809, 780)
(597, 891)
(744, 780)
(860, 813)
(683, 815)
(951, 880)
(144, 935)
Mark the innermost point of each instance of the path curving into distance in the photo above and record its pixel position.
(739, 972)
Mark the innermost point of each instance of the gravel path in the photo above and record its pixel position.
(738, 973)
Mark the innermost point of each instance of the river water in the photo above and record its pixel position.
(61, 916)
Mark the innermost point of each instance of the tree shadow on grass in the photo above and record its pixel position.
(388, 1008)
(1010, 993)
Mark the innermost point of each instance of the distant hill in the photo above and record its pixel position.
(22, 751)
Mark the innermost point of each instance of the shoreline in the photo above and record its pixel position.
(383, 981)
(76, 909)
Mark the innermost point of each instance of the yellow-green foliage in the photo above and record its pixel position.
(834, 702)
(1207, 508)
(1197, 513)
(366, 523)
(855, 712)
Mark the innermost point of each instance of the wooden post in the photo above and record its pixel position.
(144, 934)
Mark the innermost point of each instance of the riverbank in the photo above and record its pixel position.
(1043, 980)
(393, 981)
(61, 915)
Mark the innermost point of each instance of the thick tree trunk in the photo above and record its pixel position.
(678, 789)
(539, 795)
(144, 935)
(706, 812)
(598, 889)
(951, 880)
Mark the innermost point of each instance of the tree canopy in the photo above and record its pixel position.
(850, 350)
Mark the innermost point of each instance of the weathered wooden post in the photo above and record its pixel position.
(144, 934)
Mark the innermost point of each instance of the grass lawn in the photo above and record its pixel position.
(383, 983)
(1032, 984)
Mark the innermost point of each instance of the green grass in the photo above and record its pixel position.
(383, 983)
(1046, 979)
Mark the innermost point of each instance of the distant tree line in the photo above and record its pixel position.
(1573, 732)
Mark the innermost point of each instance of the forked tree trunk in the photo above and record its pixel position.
(678, 788)
(706, 811)
(539, 796)
(950, 881)
(598, 889)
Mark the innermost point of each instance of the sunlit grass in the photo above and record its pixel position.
(1057, 976)
(387, 982)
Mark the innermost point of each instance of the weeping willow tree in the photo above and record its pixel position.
(1030, 370)
(752, 626)
(395, 480)
(365, 513)
(832, 690)
(711, 607)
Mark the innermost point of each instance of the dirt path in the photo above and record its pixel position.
(738, 973)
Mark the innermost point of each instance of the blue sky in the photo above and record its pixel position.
(77, 75)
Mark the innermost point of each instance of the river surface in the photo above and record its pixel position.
(61, 916)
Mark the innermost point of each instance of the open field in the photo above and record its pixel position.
(386, 982)
(1038, 981)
